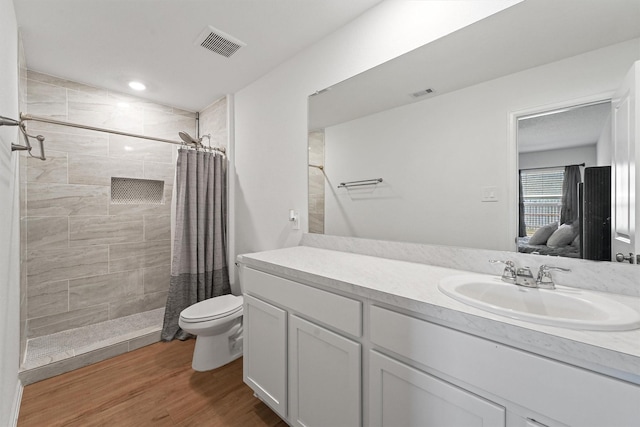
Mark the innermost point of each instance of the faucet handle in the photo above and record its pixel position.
(544, 279)
(509, 273)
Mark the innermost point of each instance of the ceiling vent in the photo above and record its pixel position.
(422, 93)
(218, 42)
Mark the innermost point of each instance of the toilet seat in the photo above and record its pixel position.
(212, 309)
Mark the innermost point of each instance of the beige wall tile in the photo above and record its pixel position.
(98, 170)
(213, 121)
(316, 223)
(157, 279)
(316, 182)
(67, 84)
(168, 125)
(95, 290)
(139, 103)
(45, 299)
(46, 100)
(46, 325)
(316, 148)
(126, 114)
(90, 143)
(130, 256)
(103, 230)
(60, 199)
(47, 233)
(157, 227)
(140, 149)
(40, 77)
(185, 113)
(89, 108)
(160, 171)
(316, 204)
(53, 170)
(60, 264)
(137, 305)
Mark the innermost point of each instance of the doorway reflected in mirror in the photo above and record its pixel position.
(564, 159)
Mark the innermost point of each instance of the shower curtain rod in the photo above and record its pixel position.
(551, 167)
(25, 117)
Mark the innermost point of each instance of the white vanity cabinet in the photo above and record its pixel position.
(324, 370)
(264, 366)
(483, 378)
(303, 357)
(401, 395)
(321, 358)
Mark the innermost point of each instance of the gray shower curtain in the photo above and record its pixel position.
(199, 266)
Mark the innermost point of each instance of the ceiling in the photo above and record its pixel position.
(567, 128)
(526, 35)
(107, 43)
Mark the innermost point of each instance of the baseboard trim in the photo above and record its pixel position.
(17, 399)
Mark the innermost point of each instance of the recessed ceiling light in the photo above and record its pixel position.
(137, 86)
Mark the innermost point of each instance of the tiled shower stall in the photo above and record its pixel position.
(95, 272)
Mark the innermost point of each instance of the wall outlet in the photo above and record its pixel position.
(489, 194)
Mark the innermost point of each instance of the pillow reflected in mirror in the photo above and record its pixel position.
(563, 236)
(543, 233)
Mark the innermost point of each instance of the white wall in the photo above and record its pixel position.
(436, 156)
(9, 217)
(603, 146)
(271, 113)
(567, 156)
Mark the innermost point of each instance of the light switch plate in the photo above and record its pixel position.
(489, 194)
(294, 217)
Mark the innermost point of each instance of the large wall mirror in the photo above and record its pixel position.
(432, 147)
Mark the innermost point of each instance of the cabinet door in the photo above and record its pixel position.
(403, 396)
(265, 352)
(324, 370)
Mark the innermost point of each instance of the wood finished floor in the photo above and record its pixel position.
(152, 386)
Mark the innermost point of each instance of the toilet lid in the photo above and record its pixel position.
(212, 308)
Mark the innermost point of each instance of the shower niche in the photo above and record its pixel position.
(133, 191)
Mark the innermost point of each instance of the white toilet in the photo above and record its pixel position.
(217, 325)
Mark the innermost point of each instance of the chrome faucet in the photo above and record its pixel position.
(544, 280)
(524, 277)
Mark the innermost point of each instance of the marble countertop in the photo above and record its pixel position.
(413, 286)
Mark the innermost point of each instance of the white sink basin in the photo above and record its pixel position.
(564, 307)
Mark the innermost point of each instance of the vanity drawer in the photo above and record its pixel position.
(562, 392)
(344, 314)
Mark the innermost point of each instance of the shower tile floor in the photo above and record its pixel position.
(135, 330)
